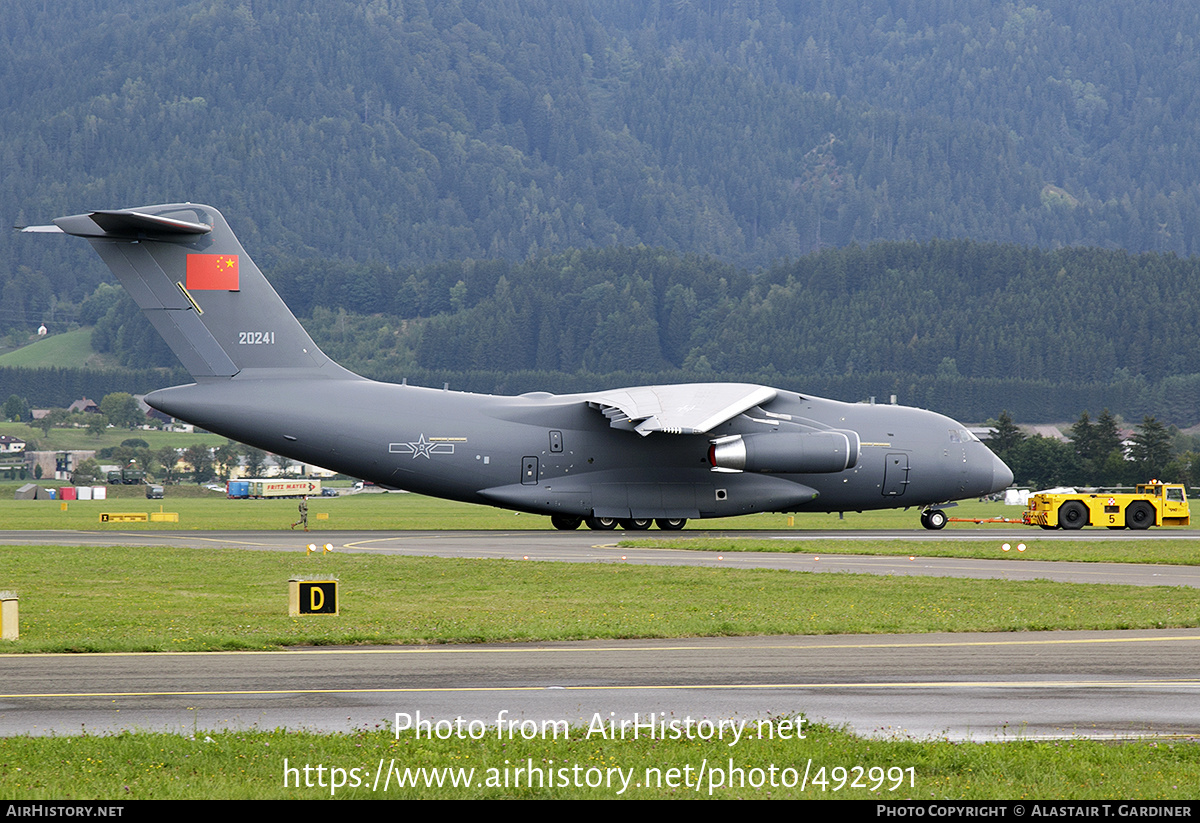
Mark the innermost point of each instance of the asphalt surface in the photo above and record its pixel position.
(962, 686)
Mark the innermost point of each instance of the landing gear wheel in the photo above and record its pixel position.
(635, 524)
(1072, 515)
(670, 524)
(565, 522)
(601, 524)
(934, 519)
(1139, 515)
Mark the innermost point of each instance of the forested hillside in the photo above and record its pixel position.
(371, 154)
(963, 327)
(409, 131)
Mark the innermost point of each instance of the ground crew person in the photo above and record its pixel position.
(303, 521)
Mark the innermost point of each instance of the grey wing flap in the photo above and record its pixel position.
(688, 408)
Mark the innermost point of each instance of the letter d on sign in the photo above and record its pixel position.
(312, 597)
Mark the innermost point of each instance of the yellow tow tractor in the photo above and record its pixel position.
(1154, 504)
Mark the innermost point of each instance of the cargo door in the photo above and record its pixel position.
(895, 475)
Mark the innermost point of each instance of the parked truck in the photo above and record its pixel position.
(1153, 504)
(127, 476)
(277, 487)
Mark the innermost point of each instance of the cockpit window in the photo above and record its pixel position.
(962, 436)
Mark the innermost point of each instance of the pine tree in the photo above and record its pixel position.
(1151, 449)
(1005, 435)
(1083, 438)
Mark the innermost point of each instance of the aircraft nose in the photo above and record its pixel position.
(986, 473)
(1002, 476)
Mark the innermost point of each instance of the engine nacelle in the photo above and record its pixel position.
(787, 452)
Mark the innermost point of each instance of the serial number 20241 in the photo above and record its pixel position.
(256, 338)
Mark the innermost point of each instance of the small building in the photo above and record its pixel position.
(57, 465)
(84, 404)
(11, 445)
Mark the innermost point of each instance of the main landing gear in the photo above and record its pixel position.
(567, 522)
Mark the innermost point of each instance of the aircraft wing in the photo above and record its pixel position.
(689, 408)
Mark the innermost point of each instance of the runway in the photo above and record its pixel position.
(976, 686)
(962, 686)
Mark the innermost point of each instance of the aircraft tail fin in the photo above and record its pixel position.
(191, 277)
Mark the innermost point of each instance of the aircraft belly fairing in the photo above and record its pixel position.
(666, 453)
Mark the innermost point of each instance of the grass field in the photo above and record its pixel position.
(155, 599)
(158, 599)
(72, 438)
(71, 349)
(271, 764)
(202, 509)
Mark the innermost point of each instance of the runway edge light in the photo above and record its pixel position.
(312, 597)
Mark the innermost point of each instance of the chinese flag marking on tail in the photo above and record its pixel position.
(215, 272)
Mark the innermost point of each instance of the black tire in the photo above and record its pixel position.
(601, 524)
(635, 524)
(1139, 515)
(565, 522)
(1072, 515)
(934, 519)
(670, 524)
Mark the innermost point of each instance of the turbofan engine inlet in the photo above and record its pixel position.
(787, 452)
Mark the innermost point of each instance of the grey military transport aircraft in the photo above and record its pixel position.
(628, 457)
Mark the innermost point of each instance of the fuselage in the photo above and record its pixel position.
(553, 454)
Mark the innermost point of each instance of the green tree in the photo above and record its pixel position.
(1042, 462)
(87, 473)
(226, 457)
(96, 424)
(1108, 453)
(16, 409)
(1083, 436)
(52, 418)
(1005, 436)
(122, 410)
(286, 464)
(168, 458)
(1150, 451)
(200, 459)
(255, 459)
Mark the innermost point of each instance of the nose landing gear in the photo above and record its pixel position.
(934, 519)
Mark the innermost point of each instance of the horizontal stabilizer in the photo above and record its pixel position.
(123, 223)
